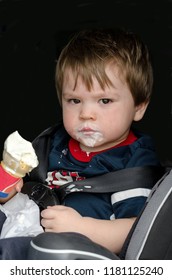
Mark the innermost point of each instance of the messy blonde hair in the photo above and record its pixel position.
(89, 51)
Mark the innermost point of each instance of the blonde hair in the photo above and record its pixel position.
(89, 51)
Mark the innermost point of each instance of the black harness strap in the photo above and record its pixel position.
(120, 180)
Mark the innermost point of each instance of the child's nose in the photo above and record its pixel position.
(87, 112)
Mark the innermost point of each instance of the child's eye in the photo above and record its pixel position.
(105, 100)
(74, 101)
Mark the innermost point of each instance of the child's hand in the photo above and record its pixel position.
(60, 218)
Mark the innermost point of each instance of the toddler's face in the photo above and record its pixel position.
(98, 119)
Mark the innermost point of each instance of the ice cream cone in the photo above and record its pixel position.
(18, 159)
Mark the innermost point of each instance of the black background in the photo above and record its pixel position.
(32, 34)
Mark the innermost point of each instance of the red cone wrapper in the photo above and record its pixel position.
(7, 182)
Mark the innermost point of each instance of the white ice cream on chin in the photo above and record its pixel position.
(19, 156)
(89, 140)
(90, 136)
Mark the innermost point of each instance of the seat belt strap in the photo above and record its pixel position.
(115, 181)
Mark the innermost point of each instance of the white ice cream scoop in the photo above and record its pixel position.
(19, 156)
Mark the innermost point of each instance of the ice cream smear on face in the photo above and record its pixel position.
(89, 135)
(19, 156)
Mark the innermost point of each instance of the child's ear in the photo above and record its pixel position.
(140, 110)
